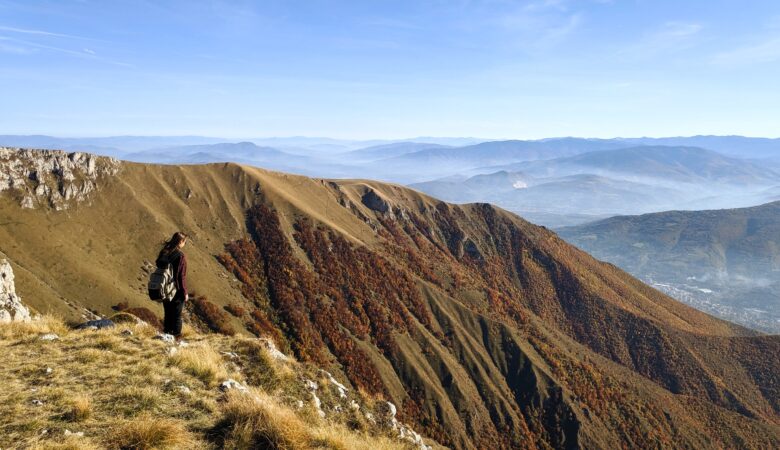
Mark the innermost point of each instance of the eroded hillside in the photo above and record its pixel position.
(486, 330)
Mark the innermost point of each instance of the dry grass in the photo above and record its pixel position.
(149, 432)
(201, 362)
(68, 443)
(338, 437)
(257, 421)
(125, 391)
(39, 326)
(80, 409)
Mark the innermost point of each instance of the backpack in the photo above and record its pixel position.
(162, 285)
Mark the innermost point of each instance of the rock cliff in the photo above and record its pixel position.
(52, 179)
(11, 307)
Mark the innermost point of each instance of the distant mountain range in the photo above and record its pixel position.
(564, 181)
(122, 145)
(610, 182)
(738, 146)
(724, 261)
(671, 164)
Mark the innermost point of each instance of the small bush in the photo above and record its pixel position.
(236, 310)
(149, 432)
(146, 315)
(121, 306)
(213, 317)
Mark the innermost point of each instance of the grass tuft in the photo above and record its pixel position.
(201, 362)
(37, 326)
(257, 421)
(148, 432)
(80, 409)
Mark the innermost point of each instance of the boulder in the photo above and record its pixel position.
(11, 307)
(274, 352)
(165, 337)
(230, 384)
(96, 324)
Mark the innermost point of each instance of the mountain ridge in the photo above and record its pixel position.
(448, 303)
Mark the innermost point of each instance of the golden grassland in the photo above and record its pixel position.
(109, 388)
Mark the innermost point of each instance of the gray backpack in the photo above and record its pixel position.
(162, 286)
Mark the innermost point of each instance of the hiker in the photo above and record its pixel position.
(171, 254)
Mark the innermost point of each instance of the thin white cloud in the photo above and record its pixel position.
(39, 32)
(541, 24)
(767, 51)
(85, 53)
(88, 51)
(670, 37)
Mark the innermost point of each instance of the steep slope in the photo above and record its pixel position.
(728, 258)
(487, 331)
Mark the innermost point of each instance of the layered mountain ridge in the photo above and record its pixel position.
(485, 329)
(726, 261)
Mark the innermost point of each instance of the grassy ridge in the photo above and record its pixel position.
(121, 388)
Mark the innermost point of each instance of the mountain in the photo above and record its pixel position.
(384, 151)
(568, 199)
(242, 152)
(485, 330)
(439, 162)
(672, 164)
(737, 146)
(725, 261)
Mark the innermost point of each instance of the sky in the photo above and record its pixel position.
(390, 69)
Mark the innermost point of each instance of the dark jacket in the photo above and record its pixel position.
(179, 264)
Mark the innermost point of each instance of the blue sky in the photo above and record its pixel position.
(390, 69)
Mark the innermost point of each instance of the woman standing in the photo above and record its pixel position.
(171, 254)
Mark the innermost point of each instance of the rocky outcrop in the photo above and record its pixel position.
(375, 202)
(52, 178)
(11, 307)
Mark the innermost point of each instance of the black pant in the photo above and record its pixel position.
(172, 320)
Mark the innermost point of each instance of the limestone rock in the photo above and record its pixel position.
(232, 384)
(52, 178)
(169, 338)
(11, 307)
(270, 346)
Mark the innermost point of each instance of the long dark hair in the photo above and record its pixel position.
(173, 243)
